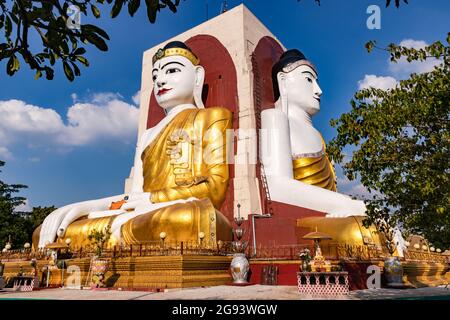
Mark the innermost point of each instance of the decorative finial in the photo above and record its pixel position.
(224, 7)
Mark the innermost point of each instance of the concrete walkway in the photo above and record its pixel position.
(255, 292)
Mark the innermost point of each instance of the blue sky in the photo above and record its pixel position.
(69, 157)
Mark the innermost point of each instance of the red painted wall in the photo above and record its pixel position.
(281, 228)
(266, 53)
(287, 274)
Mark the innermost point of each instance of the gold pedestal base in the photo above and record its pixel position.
(153, 272)
(425, 274)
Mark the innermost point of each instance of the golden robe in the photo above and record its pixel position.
(186, 159)
(315, 169)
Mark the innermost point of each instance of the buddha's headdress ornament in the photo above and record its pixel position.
(178, 48)
(289, 61)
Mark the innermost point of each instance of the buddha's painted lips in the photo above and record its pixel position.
(163, 91)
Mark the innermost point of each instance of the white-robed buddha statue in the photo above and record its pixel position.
(181, 175)
(293, 152)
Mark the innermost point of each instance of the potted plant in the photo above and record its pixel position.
(305, 257)
(385, 224)
(99, 266)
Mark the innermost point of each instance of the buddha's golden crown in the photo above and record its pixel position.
(162, 53)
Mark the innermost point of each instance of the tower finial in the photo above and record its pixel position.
(224, 7)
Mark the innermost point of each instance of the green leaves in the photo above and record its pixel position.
(370, 45)
(68, 71)
(95, 11)
(117, 7)
(83, 60)
(133, 5)
(8, 26)
(13, 65)
(38, 75)
(401, 146)
(97, 41)
(89, 28)
(12, 224)
(168, 3)
(397, 3)
(152, 9)
(48, 21)
(94, 34)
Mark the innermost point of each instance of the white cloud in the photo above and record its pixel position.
(354, 188)
(403, 68)
(400, 70)
(411, 43)
(374, 81)
(137, 98)
(5, 154)
(104, 116)
(19, 117)
(89, 122)
(351, 187)
(26, 207)
(74, 97)
(343, 181)
(359, 191)
(104, 97)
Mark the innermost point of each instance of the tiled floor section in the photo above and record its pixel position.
(256, 292)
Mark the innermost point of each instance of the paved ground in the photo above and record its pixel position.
(256, 292)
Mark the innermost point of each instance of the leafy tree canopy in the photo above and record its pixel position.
(11, 223)
(17, 226)
(401, 146)
(52, 21)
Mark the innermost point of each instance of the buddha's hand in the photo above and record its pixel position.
(136, 200)
(56, 223)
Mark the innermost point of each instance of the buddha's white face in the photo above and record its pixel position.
(174, 81)
(301, 89)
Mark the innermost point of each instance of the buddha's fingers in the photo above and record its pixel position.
(72, 215)
(50, 226)
(81, 209)
(131, 205)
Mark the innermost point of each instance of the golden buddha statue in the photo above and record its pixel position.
(181, 174)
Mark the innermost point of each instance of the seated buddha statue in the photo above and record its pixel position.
(181, 175)
(293, 152)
